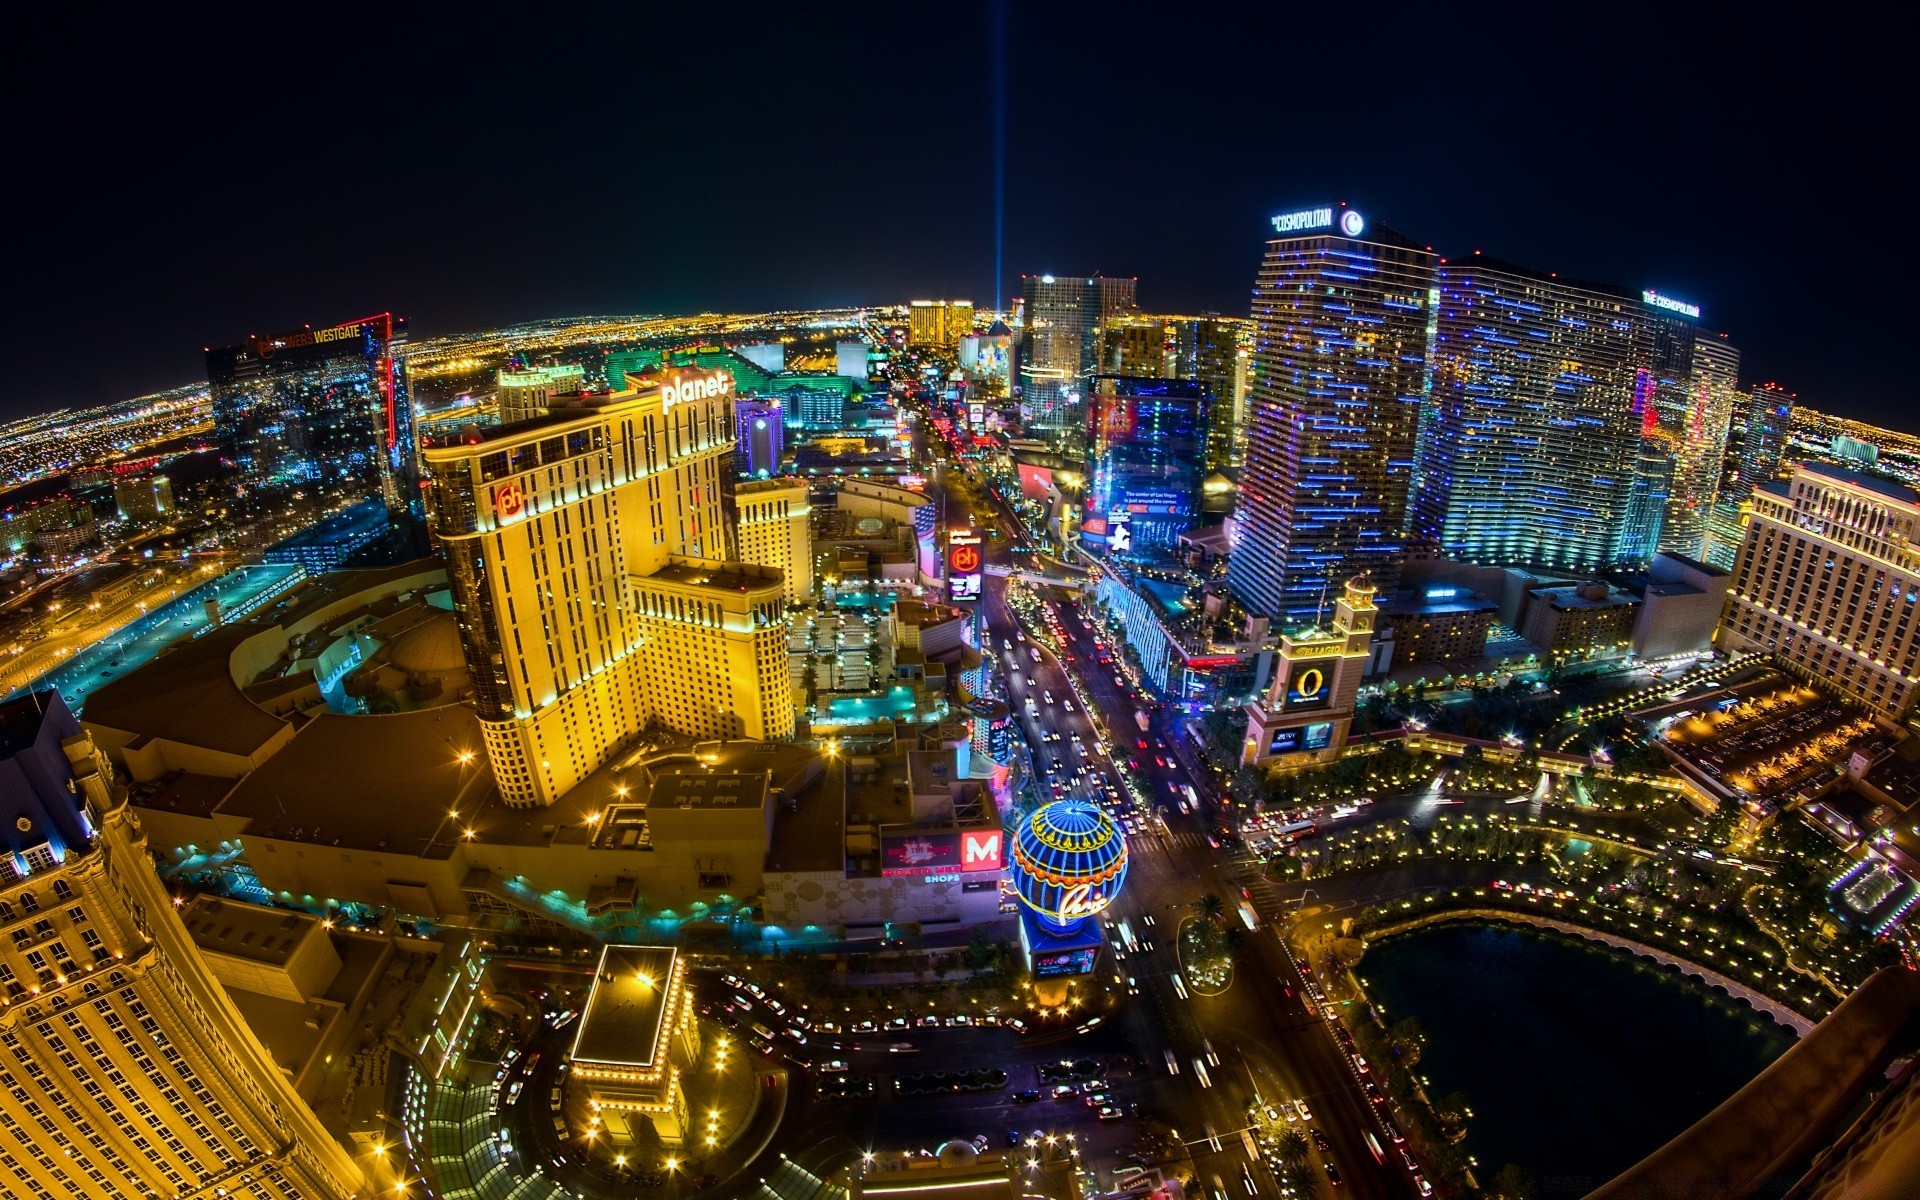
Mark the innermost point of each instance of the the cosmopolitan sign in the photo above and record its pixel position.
(1654, 299)
(684, 389)
(1306, 220)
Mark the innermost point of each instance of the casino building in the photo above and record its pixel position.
(323, 410)
(587, 551)
(1309, 708)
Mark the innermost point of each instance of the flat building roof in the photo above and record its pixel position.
(629, 1007)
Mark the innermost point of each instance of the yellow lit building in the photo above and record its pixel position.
(636, 1039)
(126, 1072)
(524, 394)
(939, 322)
(774, 531)
(554, 530)
(1828, 580)
(713, 649)
(1308, 711)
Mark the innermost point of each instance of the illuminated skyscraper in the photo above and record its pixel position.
(322, 411)
(1764, 422)
(1685, 399)
(1699, 442)
(1531, 453)
(1146, 445)
(126, 1072)
(1063, 323)
(763, 437)
(1341, 313)
(938, 323)
(585, 552)
(1207, 348)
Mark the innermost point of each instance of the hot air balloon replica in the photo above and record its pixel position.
(1068, 862)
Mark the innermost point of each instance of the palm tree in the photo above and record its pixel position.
(1302, 1178)
(1211, 906)
(1293, 1147)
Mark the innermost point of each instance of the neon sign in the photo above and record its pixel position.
(509, 501)
(1081, 900)
(1352, 223)
(980, 850)
(1654, 299)
(1306, 218)
(685, 390)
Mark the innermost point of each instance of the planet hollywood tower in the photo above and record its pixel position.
(1342, 316)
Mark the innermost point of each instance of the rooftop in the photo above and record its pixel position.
(629, 1006)
(378, 783)
(187, 694)
(249, 931)
(728, 576)
(1860, 479)
(709, 791)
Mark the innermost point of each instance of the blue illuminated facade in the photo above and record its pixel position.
(1146, 454)
(1536, 448)
(1341, 333)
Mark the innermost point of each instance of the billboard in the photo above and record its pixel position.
(941, 852)
(919, 853)
(1317, 736)
(964, 563)
(1310, 684)
(1055, 963)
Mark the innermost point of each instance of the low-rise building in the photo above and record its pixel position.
(1581, 621)
(637, 1037)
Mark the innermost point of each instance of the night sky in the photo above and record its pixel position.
(181, 177)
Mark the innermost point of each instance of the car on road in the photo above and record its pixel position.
(1026, 1096)
(834, 1067)
(1320, 1141)
(1333, 1174)
(1305, 1113)
(1109, 1113)
(1173, 1063)
(1065, 1091)
(1015, 1024)
(1099, 1099)
(865, 1027)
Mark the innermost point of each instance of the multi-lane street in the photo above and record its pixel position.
(1205, 1059)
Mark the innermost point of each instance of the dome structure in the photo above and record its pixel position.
(1069, 859)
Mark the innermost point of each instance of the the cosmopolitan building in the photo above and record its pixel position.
(1531, 453)
(1685, 398)
(1828, 579)
(585, 552)
(1146, 452)
(126, 1072)
(1341, 311)
(1064, 320)
(322, 410)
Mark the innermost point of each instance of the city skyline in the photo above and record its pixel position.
(454, 257)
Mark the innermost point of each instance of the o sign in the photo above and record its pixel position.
(509, 500)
